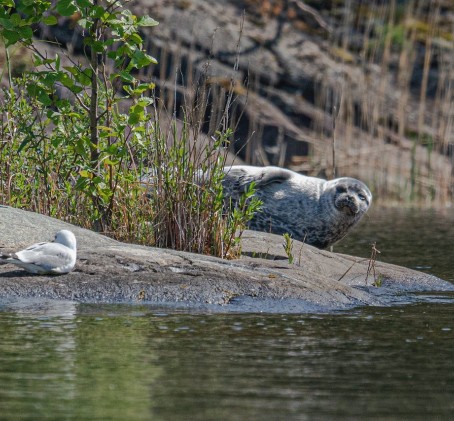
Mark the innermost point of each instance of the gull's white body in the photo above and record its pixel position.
(56, 257)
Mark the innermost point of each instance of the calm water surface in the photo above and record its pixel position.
(418, 239)
(69, 361)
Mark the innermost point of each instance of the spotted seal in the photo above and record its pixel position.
(310, 209)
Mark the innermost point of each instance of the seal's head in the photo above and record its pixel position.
(351, 196)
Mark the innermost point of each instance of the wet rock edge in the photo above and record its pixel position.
(108, 271)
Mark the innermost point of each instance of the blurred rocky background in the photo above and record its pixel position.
(366, 85)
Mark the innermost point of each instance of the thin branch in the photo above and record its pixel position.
(308, 9)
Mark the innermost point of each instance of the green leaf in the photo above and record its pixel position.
(7, 3)
(65, 80)
(136, 114)
(37, 60)
(133, 119)
(98, 46)
(49, 78)
(144, 101)
(7, 24)
(147, 21)
(28, 2)
(15, 19)
(44, 98)
(76, 89)
(135, 38)
(15, 29)
(141, 59)
(110, 162)
(66, 7)
(11, 37)
(50, 20)
(26, 32)
(97, 12)
(79, 147)
(98, 180)
(24, 143)
(105, 129)
(63, 105)
(85, 174)
(149, 85)
(126, 77)
(57, 141)
(140, 89)
(84, 77)
(38, 92)
(83, 3)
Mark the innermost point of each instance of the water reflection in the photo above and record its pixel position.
(415, 238)
(86, 362)
(30, 368)
(128, 362)
(55, 363)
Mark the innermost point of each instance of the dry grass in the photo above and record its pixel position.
(385, 72)
(387, 69)
(395, 121)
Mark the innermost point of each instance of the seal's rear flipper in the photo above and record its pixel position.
(273, 175)
(238, 178)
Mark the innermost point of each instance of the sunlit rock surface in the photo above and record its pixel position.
(108, 271)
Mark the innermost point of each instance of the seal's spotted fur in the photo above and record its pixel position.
(310, 209)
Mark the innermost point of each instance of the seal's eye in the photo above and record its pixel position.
(362, 197)
(341, 189)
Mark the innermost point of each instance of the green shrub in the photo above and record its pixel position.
(80, 158)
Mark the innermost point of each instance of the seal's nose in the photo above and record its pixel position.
(352, 205)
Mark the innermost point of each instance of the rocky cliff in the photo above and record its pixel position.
(367, 86)
(305, 73)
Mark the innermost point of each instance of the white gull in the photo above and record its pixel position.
(56, 257)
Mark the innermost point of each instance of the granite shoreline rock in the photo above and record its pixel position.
(108, 271)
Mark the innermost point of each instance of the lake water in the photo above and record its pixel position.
(67, 361)
(418, 239)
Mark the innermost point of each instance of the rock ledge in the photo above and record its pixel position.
(108, 271)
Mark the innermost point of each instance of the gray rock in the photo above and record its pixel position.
(108, 271)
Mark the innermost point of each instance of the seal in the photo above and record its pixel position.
(310, 209)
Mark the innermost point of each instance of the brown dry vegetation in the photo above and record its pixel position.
(383, 71)
(374, 78)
